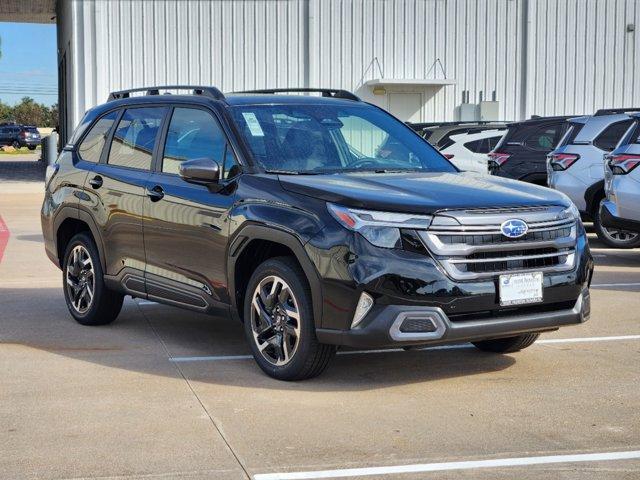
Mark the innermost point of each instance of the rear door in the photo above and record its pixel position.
(117, 186)
(186, 225)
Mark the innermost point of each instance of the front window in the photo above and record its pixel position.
(329, 139)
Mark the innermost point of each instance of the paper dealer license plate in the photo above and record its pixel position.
(520, 288)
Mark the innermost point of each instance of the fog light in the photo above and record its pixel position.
(364, 305)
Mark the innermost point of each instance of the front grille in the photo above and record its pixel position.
(469, 244)
(499, 238)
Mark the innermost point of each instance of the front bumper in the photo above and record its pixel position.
(385, 327)
(609, 218)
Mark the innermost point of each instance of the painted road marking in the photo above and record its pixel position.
(545, 341)
(603, 285)
(4, 237)
(439, 467)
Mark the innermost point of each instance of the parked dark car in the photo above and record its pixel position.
(522, 152)
(317, 221)
(19, 136)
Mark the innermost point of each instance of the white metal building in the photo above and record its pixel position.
(420, 59)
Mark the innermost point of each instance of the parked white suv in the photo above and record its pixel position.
(621, 208)
(469, 150)
(576, 167)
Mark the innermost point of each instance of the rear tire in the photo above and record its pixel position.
(16, 145)
(89, 301)
(283, 335)
(613, 237)
(507, 345)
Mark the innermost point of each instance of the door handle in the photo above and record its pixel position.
(96, 182)
(156, 193)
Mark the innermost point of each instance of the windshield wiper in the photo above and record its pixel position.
(292, 172)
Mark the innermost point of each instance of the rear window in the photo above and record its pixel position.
(543, 138)
(610, 137)
(135, 137)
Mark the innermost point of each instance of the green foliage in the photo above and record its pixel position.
(29, 112)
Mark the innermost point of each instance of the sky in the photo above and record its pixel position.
(28, 66)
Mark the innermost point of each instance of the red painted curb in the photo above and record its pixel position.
(4, 237)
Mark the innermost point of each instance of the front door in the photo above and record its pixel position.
(186, 225)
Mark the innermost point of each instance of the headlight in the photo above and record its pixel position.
(382, 229)
(570, 212)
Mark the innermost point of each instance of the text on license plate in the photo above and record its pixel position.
(520, 288)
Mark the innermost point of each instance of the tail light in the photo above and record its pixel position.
(22, 134)
(623, 164)
(499, 158)
(448, 156)
(561, 161)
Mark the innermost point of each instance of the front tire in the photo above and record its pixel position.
(613, 237)
(279, 324)
(507, 345)
(89, 301)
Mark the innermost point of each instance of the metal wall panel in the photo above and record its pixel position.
(542, 57)
(581, 56)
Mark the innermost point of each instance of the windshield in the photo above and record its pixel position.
(329, 138)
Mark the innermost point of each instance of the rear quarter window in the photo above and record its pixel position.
(571, 134)
(91, 146)
(611, 135)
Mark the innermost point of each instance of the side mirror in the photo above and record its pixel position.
(203, 171)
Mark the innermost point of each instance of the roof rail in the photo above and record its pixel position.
(461, 122)
(326, 92)
(612, 111)
(212, 92)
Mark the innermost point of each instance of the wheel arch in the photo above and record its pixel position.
(593, 195)
(70, 221)
(254, 244)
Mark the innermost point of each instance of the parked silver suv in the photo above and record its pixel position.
(621, 208)
(576, 167)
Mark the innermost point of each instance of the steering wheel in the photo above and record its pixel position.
(363, 162)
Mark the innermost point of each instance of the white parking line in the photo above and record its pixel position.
(602, 285)
(218, 358)
(439, 467)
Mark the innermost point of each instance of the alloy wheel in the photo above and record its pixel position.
(80, 279)
(275, 320)
(619, 236)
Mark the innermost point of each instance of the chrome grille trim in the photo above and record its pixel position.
(466, 239)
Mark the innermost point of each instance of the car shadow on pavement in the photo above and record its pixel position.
(22, 171)
(144, 337)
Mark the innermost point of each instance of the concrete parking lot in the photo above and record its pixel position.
(164, 393)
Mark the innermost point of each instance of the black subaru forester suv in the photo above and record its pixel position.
(317, 221)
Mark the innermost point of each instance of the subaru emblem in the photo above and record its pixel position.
(514, 228)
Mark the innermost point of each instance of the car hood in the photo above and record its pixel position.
(421, 192)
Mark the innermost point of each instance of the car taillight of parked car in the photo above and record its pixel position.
(561, 161)
(623, 164)
(498, 158)
(448, 156)
(22, 134)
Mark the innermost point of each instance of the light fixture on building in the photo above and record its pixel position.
(379, 90)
